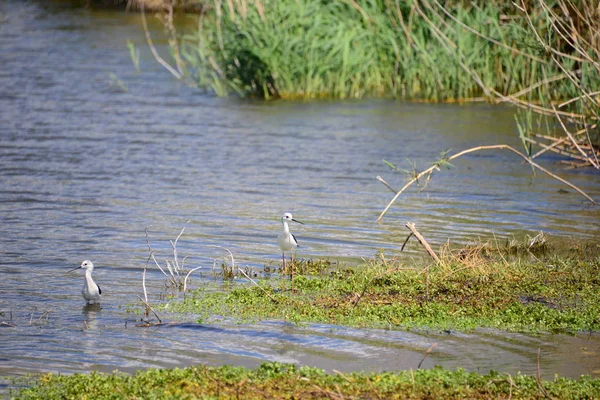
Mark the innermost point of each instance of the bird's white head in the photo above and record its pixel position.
(288, 217)
(87, 264)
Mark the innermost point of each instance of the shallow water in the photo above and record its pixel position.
(93, 152)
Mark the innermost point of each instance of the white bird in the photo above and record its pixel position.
(287, 242)
(91, 292)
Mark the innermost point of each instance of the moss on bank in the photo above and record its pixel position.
(283, 381)
(470, 289)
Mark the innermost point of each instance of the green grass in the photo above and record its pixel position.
(282, 381)
(352, 49)
(480, 287)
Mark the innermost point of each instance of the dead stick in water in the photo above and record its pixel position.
(436, 166)
(426, 354)
(406, 241)
(538, 377)
(151, 309)
(422, 240)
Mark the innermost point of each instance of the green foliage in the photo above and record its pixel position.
(352, 49)
(516, 288)
(284, 381)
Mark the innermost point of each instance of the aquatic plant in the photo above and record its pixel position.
(509, 286)
(286, 381)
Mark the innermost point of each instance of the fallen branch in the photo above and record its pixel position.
(422, 240)
(434, 167)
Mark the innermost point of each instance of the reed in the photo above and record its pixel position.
(541, 56)
(416, 49)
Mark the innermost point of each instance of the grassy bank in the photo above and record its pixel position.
(513, 288)
(282, 381)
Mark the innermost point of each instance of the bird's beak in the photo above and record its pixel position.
(301, 223)
(74, 269)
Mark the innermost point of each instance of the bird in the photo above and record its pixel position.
(91, 292)
(287, 242)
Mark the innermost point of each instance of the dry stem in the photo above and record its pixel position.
(157, 56)
(435, 167)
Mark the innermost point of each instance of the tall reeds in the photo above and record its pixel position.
(415, 49)
(542, 56)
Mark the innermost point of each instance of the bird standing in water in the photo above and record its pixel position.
(91, 292)
(287, 242)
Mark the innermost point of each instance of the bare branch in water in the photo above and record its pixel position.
(186, 278)
(435, 167)
(433, 346)
(150, 308)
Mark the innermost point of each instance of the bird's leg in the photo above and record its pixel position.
(283, 272)
(292, 268)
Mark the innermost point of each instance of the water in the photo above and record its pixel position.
(92, 153)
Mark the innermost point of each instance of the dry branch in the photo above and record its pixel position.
(151, 309)
(186, 278)
(435, 167)
(422, 240)
(433, 346)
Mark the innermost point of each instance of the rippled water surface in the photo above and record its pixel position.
(93, 152)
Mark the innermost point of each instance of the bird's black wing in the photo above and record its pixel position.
(99, 290)
(295, 240)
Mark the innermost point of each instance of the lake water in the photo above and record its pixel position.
(93, 152)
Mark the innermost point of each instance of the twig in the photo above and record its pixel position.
(260, 287)
(153, 49)
(423, 242)
(151, 309)
(474, 149)
(45, 313)
(152, 253)
(144, 281)
(574, 141)
(552, 148)
(406, 241)
(186, 278)
(510, 380)
(356, 298)
(380, 179)
(174, 245)
(538, 378)
(230, 253)
(489, 39)
(433, 346)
